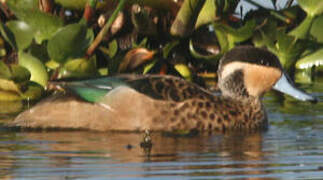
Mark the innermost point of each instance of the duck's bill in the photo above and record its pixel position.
(285, 86)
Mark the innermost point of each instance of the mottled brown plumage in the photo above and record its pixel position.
(155, 102)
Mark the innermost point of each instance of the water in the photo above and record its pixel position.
(292, 148)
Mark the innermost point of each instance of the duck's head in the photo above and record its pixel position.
(247, 72)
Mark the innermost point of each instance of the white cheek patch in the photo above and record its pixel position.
(232, 67)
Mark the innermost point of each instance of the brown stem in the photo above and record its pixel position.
(105, 29)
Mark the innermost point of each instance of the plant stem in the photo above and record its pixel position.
(105, 29)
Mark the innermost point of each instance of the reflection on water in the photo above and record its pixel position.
(292, 148)
(278, 153)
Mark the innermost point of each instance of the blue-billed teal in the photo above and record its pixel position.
(167, 103)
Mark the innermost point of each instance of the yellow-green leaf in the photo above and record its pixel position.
(36, 68)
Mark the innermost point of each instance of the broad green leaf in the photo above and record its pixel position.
(79, 67)
(302, 30)
(288, 49)
(9, 85)
(22, 32)
(16, 5)
(19, 73)
(35, 66)
(235, 35)
(4, 71)
(9, 90)
(70, 42)
(311, 7)
(316, 29)
(45, 25)
(207, 13)
(9, 96)
(314, 59)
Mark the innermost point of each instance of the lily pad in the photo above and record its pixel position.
(35, 66)
(23, 33)
(70, 42)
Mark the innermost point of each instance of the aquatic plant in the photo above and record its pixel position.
(43, 40)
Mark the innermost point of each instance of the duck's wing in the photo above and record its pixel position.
(159, 87)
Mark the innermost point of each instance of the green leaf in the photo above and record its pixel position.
(80, 67)
(302, 30)
(9, 96)
(23, 33)
(45, 25)
(316, 29)
(9, 90)
(288, 49)
(113, 48)
(207, 13)
(311, 7)
(4, 71)
(16, 5)
(35, 66)
(235, 35)
(314, 59)
(184, 71)
(34, 91)
(9, 85)
(70, 42)
(19, 73)
(168, 47)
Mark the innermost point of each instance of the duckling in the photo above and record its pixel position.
(168, 103)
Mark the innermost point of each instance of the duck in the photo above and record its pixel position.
(131, 102)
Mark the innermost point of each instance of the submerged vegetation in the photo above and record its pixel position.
(43, 40)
